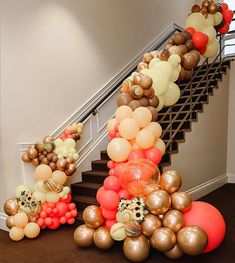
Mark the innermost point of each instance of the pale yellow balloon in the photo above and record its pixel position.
(155, 128)
(128, 128)
(58, 142)
(210, 32)
(32, 230)
(210, 20)
(52, 197)
(164, 67)
(174, 76)
(39, 196)
(160, 145)
(123, 112)
(174, 60)
(21, 188)
(211, 49)
(20, 219)
(59, 177)
(119, 149)
(178, 68)
(172, 95)
(69, 143)
(16, 233)
(161, 103)
(145, 139)
(111, 124)
(42, 172)
(39, 186)
(142, 116)
(160, 81)
(218, 17)
(154, 62)
(196, 20)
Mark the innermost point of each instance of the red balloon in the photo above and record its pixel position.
(199, 39)
(118, 168)
(109, 214)
(63, 220)
(228, 16)
(136, 154)
(48, 221)
(223, 30)
(62, 208)
(202, 50)
(154, 155)
(124, 194)
(224, 6)
(208, 218)
(112, 183)
(67, 132)
(71, 221)
(191, 30)
(109, 223)
(100, 191)
(109, 200)
(55, 223)
(111, 172)
(66, 200)
(112, 133)
(40, 222)
(111, 164)
(117, 127)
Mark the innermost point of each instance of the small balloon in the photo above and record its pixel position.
(173, 220)
(181, 201)
(174, 253)
(158, 202)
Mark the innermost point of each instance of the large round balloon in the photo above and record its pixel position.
(102, 238)
(172, 94)
(196, 21)
(119, 149)
(210, 220)
(92, 216)
(211, 49)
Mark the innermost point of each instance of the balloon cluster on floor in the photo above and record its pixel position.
(49, 204)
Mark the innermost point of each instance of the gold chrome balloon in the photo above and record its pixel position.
(11, 206)
(83, 236)
(192, 240)
(10, 222)
(181, 201)
(102, 238)
(92, 216)
(170, 181)
(158, 202)
(174, 253)
(136, 249)
(150, 224)
(163, 239)
(174, 220)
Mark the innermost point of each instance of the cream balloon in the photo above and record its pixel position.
(69, 143)
(210, 20)
(39, 186)
(39, 196)
(161, 103)
(142, 116)
(31, 230)
(21, 188)
(145, 139)
(16, 233)
(218, 17)
(154, 62)
(160, 81)
(111, 124)
(174, 60)
(196, 20)
(211, 49)
(172, 95)
(155, 128)
(164, 67)
(123, 112)
(20, 220)
(59, 177)
(52, 197)
(42, 172)
(118, 149)
(175, 75)
(58, 143)
(128, 128)
(210, 32)
(160, 145)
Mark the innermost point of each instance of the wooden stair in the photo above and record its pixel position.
(84, 192)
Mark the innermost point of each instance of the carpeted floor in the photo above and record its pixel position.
(58, 246)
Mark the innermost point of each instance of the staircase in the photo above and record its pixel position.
(175, 121)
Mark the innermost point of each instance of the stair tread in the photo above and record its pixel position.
(168, 121)
(176, 112)
(99, 173)
(100, 161)
(88, 185)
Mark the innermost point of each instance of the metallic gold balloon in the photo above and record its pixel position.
(11, 206)
(25, 158)
(150, 224)
(92, 216)
(39, 147)
(48, 139)
(50, 185)
(192, 240)
(174, 253)
(71, 169)
(102, 238)
(158, 202)
(10, 222)
(133, 229)
(163, 239)
(61, 164)
(136, 249)
(170, 181)
(174, 220)
(181, 201)
(83, 236)
(32, 153)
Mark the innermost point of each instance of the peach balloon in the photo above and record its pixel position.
(111, 124)
(119, 149)
(42, 172)
(145, 139)
(123, 112)
(16, 233)
(160, 145)
(32, 230)
(20, 220)
(59, 177)
(143, 116)
(128, 128)
(155, 128)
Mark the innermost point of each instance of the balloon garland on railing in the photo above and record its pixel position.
(137, 204)
(49, 204)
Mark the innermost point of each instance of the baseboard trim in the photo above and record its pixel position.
(207, 187)
(3, 218)
(231, 178)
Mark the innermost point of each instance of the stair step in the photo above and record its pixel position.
(183, 107)
(86, 188)
(167, 116)
(197, 84)
(186, 126)
(94, 176)
(82, 201)
(104, 155)
(203, 98)
(99, 165)
(179, 135)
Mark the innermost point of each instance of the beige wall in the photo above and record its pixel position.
(203, 156)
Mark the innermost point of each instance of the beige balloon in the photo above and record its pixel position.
(196, 20)
(160, 145)
(32, 230)
(52, 197)
(16, 233)
(119, 149)
(211, 49)
(164, 67)
(158, 202)
(102, 238)
(145, 139)
(20, 220)
(181, 201)
(136, 249)
(142, 116)
(175, 75)
(174, 253)
(218, 17)
(59, 177)
(155, 128)
(161, 103)
(154, 62)
(210, 20)
(42, 172)
(92, 216)
(128, 128)
(111, 124)
(150, 224)
(123, 112)
(210, 32)
(192, 240)
(172, 94)
(83, 236)
(164, 239)
(39, 196)
(174, 220)
(160, 81)
(11, 206)
(170, 181)
(174, 60)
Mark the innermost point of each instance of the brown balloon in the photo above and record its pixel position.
(147, 57)
(11, 206)
(158, 202)
(10, 222)
(192, 240)
(154, 53)
(145, 82)
(164, 55)
(35, 162)
(189, 61)
(92, 216)
(149, 93)
(149, 188)
(25, 158)
(61, 164)
(136, 78)
(39, 147)
(174, 220)
(102, 238)
(188, 74)
(47, 139)
(133, 229)
(171, 41)
(181, 201)
(187, 34)
(179, 39)
(212, 8)
(174, 253)
(182, 74)
(206, 3)
(150, 224)
(153, 112)
(45, 161)
(134, 104)
(189, 44)
(136, 249)
(170, 181)
(83, 236)
(136, 92)
(196, 54)
(154, 102)
(144, 102)
(183, 49)
(196, 9)
(70, 169)
(204, 11)
(124, 99)
(163, 239)
(141, 66)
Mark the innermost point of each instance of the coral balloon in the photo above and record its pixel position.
(109, 200)
(128, 128)
(228, 16)
(191, 30)
(124, 194)
(210, 220)
(136, 154)
(223, 30)
(112, 183)
(154, 155)
(99, 193)
(199, 39)
(119, 149)
(109, 214)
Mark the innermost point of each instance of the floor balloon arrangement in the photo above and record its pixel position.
(49, 204)
(138, 205)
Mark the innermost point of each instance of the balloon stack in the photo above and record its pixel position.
(49, 204)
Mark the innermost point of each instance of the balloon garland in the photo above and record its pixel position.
(138, 205)
(49, 204)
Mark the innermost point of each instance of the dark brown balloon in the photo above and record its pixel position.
(182, 74)
(196, 9)
(145, 82)
(183, 49)
(154, 102)
(171, 41)
(61, 164)
(134, 104)
(189, 61)
(164, 55)
(102, 238)
(149, 93)
(124, 99)
(32, 153)
(83, 236)
(39, 147)
(188, 74)
(141, 66)
(41, 157)
(137, 92)
(150, 224)
(147, 57)
(144, 102)
(154, 113)
(187, 34)
(25, 158)
(179, 39)
(52, 165)
(212, 8)
(35, 162)
(136, 78)
(196, 54)
(54, 158)
(189, 44)
(47, 139)
(174, 253)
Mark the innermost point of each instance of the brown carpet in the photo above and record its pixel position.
(58, 246)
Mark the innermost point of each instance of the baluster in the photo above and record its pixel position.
(191, 99)
(171, 127)
(207, 76)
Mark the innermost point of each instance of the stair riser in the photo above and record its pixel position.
(209, 91)
(199, 84)
(187, 107)
(84, 191)
(104, 156)
(93, 178)
(82, 205)
(193, 115)
(99, 167)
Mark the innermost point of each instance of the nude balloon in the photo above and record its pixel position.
(172, 95)
(123, 112)
(128, 128)
(145, 139)
(160, 145)
(119, 149)
(196, 20)
(142, 116)
(155, 128)
(211, 49)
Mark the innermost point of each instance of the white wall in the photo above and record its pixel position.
(55, 54)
